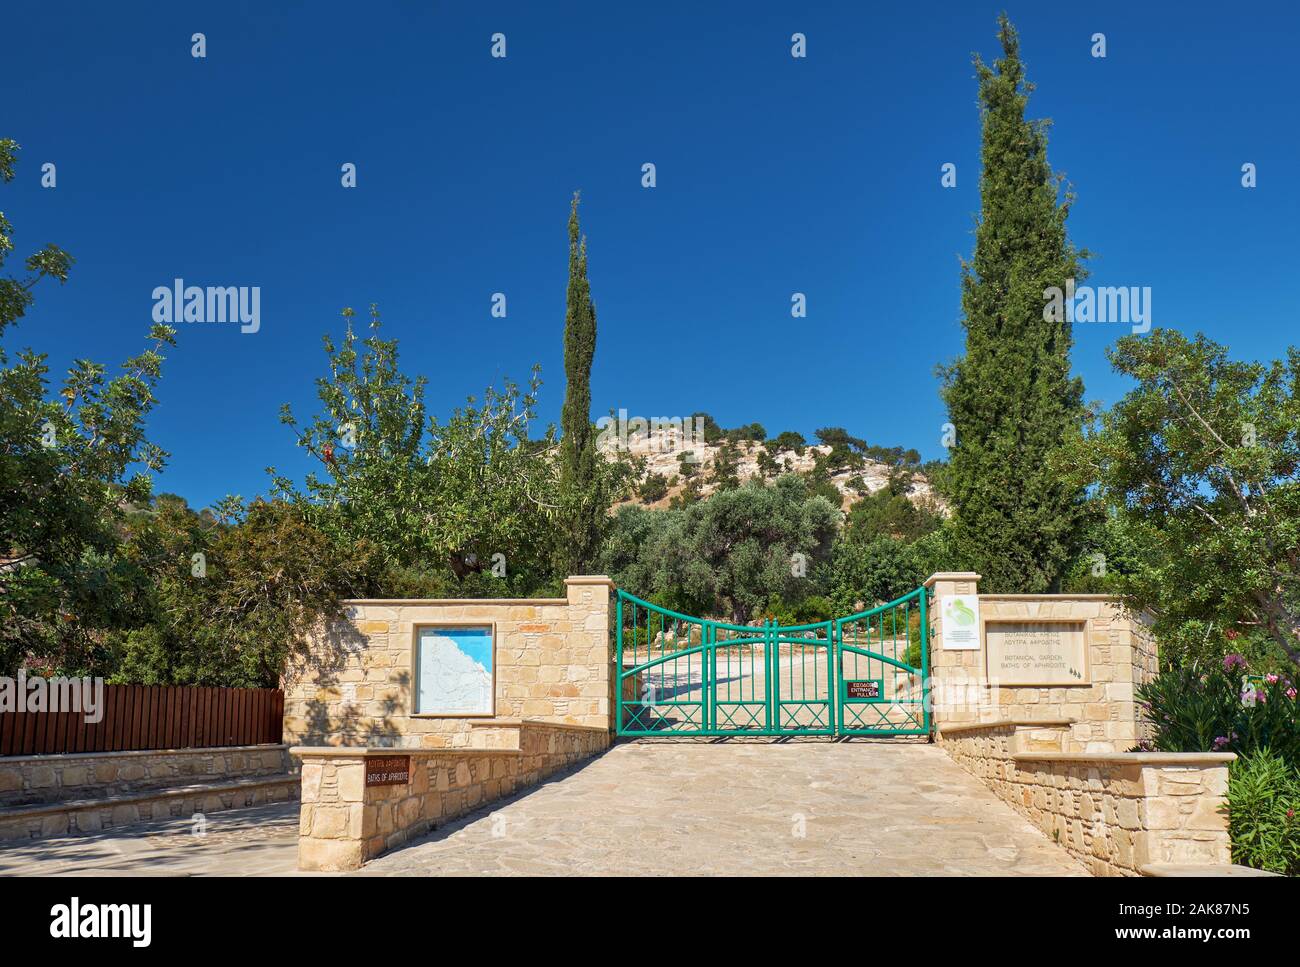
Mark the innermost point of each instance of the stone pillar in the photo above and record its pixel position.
(957, 688)
(589, 608)
(945, 583)
(331, 819)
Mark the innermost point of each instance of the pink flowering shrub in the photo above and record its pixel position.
(1220, 707)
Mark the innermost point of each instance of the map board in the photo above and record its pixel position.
(454, 671)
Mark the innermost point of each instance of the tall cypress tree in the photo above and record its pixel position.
(582, 507)
(1011, 397)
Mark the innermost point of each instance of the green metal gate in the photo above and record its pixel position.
(860, 675)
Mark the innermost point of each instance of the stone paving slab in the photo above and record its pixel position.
(258, 841)
(645, 808)
(656, 807)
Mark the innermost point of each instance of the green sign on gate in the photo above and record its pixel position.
(860, 675)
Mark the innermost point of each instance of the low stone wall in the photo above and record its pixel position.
(79, 793)
(344, 822)
(353, 684)
(1115, 812)
(35, 779)
(84, 816)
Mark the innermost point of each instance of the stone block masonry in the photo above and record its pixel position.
(35, 779)
(1119, 813)
(1041, 705)
(353, 685)
(1120, 654)
(78, 793)
(350, 697)
(344, 822)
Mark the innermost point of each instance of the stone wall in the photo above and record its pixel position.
(344, 823)
(79, 793)
(1121, 655)
(353, 685)
(1116, 812)
(34, 779)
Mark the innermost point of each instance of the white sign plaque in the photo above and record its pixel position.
(960, 628)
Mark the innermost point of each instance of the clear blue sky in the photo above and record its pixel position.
(775, 175)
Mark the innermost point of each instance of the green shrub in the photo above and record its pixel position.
(1263, 803)
(653, 488)
(803, 611)
(1204, 708)
(914, 640)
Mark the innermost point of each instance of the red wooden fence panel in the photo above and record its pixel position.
(139, 717)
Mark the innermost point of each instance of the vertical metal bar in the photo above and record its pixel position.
(832, 695)
(677, 673)
(714, 660)
(796, 667)
(618, 669)
(841, 716)
(891, 669)
(767, 677)
(880, 664)
(713, 676)
(705, 688)
(753, 659)
(925, 663)
(789, 663)
(662, 664)
(782, 694)
(637, 698)
(893, 632)
(773, 657)
(776, 681)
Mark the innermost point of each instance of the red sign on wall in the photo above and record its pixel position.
(388, 770)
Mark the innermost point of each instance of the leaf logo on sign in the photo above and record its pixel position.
(960, 613)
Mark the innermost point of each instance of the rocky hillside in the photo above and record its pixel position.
(662, 453)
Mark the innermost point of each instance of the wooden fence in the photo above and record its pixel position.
(150, 717)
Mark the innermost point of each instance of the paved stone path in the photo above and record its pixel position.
(660, 806)
(647, 808)
(237, 842)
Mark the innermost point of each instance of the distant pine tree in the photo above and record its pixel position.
(582, 504)
(1011, 397)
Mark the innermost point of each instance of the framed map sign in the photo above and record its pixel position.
(454, 671)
